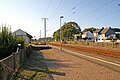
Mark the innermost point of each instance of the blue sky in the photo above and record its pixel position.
(27, 14)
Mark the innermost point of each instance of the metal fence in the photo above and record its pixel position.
(10, 65)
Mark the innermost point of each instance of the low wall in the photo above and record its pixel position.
(97, 44)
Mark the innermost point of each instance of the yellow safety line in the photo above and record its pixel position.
(96, 58)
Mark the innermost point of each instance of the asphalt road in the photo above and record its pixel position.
(109, 62)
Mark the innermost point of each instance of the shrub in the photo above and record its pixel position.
(8, 42)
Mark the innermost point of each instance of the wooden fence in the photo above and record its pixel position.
(10, 65)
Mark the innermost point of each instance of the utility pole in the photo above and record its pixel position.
(40, 33)
(40, 36)
(61, 33)
(45, 28)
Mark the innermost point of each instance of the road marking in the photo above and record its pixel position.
(93, 58)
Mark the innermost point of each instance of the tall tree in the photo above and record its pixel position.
(68, 31)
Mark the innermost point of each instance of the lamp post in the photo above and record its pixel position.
(61, 33)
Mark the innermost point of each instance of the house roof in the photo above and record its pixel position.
(116, 29)
(30, 36)
(96, 31)
(104, 30)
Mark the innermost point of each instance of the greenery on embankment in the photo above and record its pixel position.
(34, 68)
(8, 42)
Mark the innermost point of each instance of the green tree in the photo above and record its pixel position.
(56, 35)
(89, 29)
(68, 31)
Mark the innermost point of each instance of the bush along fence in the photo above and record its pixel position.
(11, 64)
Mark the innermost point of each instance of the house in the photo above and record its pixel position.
(27, 37)
(77, 37)
(117, 32)
(96, 34)
(88, 35)
(101, 34)
(108, 32)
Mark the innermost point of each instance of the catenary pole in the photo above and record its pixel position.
(45, 19)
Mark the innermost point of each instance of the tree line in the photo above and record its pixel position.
(69, 30)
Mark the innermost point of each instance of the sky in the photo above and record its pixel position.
(27, 14)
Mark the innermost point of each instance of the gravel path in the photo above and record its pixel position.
(69, 67)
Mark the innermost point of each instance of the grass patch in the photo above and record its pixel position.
(34, 68)
(48, 51)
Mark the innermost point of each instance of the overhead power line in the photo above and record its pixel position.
(57, 8)
(99, 20)
(48, 7)
(72, 5)
(101, 17)
(102, 6)
(73, 8)
(76, 12)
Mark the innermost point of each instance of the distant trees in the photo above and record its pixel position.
(8, 42)
(89, 29)
(68, 31)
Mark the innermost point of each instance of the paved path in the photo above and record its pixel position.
(113, 63)
(69, 67)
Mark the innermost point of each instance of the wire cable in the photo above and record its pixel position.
(102, 6)
(48, 7)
